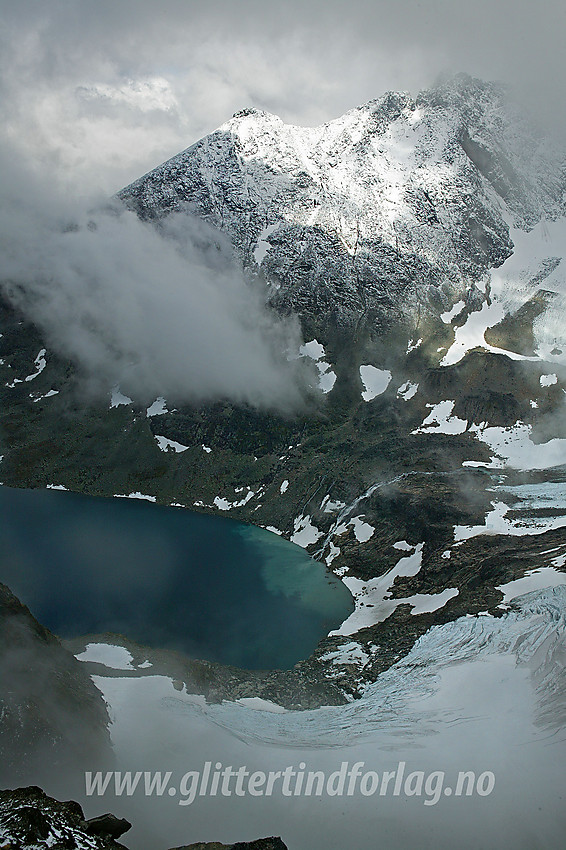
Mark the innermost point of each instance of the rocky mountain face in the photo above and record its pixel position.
(391, 211)
(52, 718)
(421, 242)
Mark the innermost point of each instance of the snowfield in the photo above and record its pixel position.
(477, 694)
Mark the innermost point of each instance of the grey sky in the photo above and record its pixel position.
(102, 91)
(93, 93)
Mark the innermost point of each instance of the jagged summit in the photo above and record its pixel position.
(401, 203)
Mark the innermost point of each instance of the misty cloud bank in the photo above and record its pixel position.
(160, 313)
(104, 91)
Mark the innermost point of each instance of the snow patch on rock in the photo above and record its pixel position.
(118, 398)
(115, 657)
(513, 447)
(305, 533)
(375, 381)
(441, 421)
(407, 390)
(538, 579)
(158, 407)
(166, 445)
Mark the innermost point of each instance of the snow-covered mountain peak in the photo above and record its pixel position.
(394, 197)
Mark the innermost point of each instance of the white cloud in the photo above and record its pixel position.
(106, 91)
(139, 309)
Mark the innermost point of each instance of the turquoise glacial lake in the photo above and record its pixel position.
(169, 578)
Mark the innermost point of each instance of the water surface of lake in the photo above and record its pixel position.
(170, 578)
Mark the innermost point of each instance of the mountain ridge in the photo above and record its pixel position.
(394, 207)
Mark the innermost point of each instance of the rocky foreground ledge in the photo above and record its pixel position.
(30, 820)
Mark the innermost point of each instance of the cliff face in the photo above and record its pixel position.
(53, 721)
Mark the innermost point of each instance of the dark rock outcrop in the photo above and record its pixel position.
(107, 825)
(31, 820)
